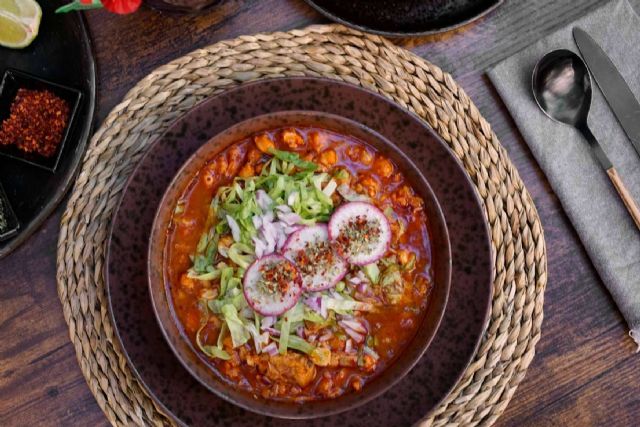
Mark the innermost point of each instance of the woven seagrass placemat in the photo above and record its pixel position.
(330, 51)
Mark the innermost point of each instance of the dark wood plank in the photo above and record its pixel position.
(40, 380)
(585, 371)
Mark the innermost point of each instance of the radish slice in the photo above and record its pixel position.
(272, 285)
(319, 264)
(360, 232)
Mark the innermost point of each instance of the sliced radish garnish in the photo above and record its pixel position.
(360, 232)
(272, 285)
(319, 264)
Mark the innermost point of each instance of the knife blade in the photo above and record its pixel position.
(624, 104)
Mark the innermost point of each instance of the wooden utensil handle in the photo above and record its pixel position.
(631, 205)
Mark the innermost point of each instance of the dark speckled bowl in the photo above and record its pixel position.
(160, 291)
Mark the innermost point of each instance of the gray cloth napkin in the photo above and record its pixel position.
(606, 229)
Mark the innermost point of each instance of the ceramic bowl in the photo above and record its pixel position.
(160, 291)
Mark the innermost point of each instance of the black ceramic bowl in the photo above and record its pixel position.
(160, 291)
(402, 18)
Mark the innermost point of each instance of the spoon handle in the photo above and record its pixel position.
(626, 197)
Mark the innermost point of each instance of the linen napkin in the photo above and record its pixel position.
(606, 229)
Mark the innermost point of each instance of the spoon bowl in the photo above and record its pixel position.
(562, 87)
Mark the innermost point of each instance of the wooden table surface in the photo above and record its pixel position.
(585, 371)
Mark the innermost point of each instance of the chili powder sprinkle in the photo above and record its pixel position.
(316, 258)
(36, 122)
(277, 277)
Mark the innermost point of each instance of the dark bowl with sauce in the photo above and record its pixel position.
(195, 363)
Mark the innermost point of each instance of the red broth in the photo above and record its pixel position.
(391, 327)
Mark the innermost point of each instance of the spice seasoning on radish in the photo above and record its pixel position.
(315, 258)
(277, 277)
(358, 234)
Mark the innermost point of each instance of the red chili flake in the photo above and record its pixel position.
(277, 277)
(36, 122)
(315, 258)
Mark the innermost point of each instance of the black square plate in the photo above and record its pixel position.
(11, 226)
(14, 80)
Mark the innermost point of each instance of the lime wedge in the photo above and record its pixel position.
(19, 22)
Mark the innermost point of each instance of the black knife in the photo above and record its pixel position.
(624, 104)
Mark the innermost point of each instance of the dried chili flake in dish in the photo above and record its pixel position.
(36, 122)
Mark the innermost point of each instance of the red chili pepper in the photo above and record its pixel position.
(122, 6)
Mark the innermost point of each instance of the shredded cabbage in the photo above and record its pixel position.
(285, 327)
(239, 334)
(343, 306)
(235, 207)
(223, 332)
(319, 355)
(236, 299)
(312, 316)
(289, 321)
(297, 343)
(259, 340)
(294, 159)
(287, 192)
(210, 350)
(241, 254)
(373, 272)
(211, 275)
(296, 313)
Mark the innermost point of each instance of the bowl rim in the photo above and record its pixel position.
(266, 406)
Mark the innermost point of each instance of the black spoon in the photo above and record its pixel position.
(562, 88)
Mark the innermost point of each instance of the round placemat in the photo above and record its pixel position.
(331, 51)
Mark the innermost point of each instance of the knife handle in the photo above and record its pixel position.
(631, 205)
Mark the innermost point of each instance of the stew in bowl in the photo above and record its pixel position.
(296, 260)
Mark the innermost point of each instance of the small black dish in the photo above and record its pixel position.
(11, 224)
(14, 80)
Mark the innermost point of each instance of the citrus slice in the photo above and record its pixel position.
(19, 22)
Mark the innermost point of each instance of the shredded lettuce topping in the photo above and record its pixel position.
(252, 217)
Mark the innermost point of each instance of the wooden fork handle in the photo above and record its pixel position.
(626, 197)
